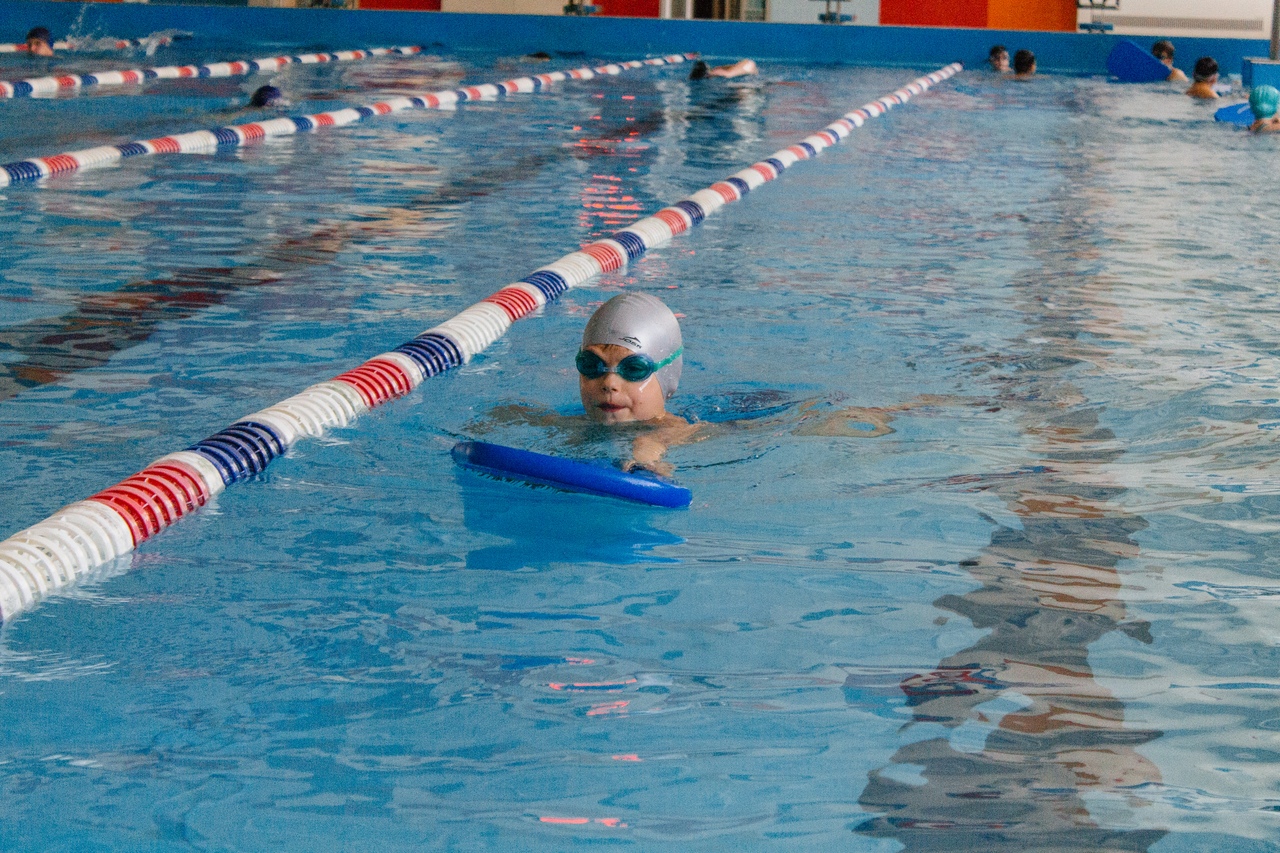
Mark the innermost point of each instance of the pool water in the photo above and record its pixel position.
(1035, 615)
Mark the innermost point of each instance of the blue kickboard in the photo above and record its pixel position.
(571, 475)
(1132, 64)
(1235, 114)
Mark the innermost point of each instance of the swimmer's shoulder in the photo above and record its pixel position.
(672, 424)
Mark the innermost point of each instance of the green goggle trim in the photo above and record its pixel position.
(633, 368)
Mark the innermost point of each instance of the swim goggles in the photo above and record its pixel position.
(633, 368)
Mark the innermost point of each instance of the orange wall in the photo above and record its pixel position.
(1053, 15)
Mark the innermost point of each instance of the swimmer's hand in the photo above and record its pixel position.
(662, 469)
(648, 448)
(646, 453)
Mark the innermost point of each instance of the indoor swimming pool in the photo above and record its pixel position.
(981, 548)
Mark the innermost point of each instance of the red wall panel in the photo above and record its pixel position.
(934, 13)
(628, 8)
(402, 5)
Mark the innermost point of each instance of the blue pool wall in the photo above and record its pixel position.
(614, 38)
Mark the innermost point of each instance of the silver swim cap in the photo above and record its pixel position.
(642, 324)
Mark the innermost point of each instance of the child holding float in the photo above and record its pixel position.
(629, 366)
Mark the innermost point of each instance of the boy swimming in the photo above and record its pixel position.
(1264, 102)
(39, 42)
(1163, 51)
(1024, 65)
(998, 59)
(268, 96)
(741, 68)
(1206, 75)
(628, 367)
(630, 361)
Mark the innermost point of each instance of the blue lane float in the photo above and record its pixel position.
(512, 463)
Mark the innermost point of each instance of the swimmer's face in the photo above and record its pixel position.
(38, 47)
(1000, 61)
(610, 399)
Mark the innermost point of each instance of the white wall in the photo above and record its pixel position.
(1213, 18)
(807, 11)
(515, 7)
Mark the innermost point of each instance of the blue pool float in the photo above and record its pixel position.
(1263, 103)
(571, 475)
(1235, 114)
(1132, 64)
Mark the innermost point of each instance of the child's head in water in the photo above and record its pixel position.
(39, 42)
(998, 58)
(629, 364)
(267, 96)
(1024, 63)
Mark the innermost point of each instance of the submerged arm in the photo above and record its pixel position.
(649, 448)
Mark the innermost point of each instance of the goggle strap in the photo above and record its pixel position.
(668, 359)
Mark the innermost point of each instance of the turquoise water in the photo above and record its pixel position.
(1036, 615)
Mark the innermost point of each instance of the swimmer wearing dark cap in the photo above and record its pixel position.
(998, 59)
(1024, 65)
(39, 42)
(268, 96)
(741, 68)
(1206, 75)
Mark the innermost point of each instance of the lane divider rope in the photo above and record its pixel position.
(87, 534)
(204, 141)
(38, 86)
(94, 44)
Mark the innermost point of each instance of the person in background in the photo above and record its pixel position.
(268, 96)
(1024, 65)
(39, 42)
(1163, 51)
(1206, 75)
(1264, 101)
(740, 68)
(998, 59)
